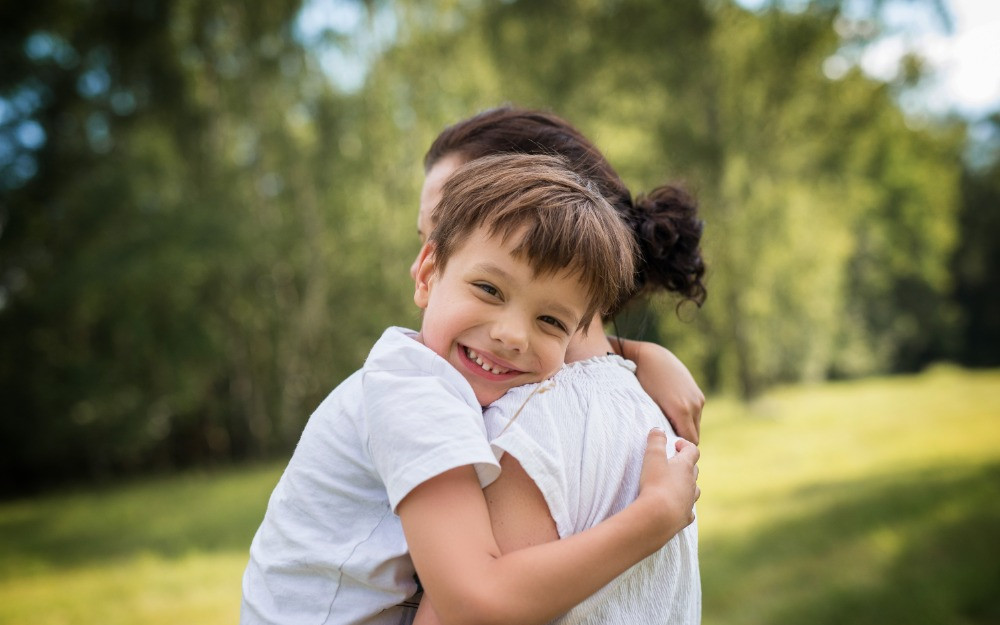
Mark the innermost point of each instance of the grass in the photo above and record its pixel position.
(874, 501)
(167, 550)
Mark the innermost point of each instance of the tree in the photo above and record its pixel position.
(176, 264)
(976, 263)
(201, 234)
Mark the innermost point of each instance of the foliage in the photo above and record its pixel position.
(976, 263)
(175, 272)
(830, 220)
(201, 234)
(842, 501)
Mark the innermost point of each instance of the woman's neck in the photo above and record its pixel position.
(589, 344)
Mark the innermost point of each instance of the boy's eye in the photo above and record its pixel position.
(489, 289)
(553, 322)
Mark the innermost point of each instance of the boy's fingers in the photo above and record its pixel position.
(687, 450)
(656, 448)
(656, 435)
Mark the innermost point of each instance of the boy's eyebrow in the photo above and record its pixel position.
(565, 313)
(557, 307)
(493, 268)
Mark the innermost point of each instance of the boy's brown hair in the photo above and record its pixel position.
(564, 223)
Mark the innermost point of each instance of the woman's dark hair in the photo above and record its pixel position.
(664, 221)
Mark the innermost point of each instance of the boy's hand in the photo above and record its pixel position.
(669, 486)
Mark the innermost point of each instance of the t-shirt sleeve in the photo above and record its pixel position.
(545, 464)
(419, 427)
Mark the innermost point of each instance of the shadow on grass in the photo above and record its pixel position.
(167, 517)
(920, 548)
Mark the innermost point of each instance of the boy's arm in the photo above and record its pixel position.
(665, 378)
(519, 517)
(425, 613)
(471, 580)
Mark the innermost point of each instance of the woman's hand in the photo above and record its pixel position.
(665, 378)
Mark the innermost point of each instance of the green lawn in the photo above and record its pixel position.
(875, 501)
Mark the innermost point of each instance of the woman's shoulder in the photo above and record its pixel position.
(596, 373)
(576, 386)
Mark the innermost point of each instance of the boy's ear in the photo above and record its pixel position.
(426, 266)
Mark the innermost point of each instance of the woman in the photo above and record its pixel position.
(572, 446)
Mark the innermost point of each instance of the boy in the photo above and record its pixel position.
(523, 256)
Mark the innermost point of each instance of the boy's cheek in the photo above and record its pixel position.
(555, 357)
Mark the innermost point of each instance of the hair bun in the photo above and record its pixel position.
(668, 231)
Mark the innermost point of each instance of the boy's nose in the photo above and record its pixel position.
(512, 333)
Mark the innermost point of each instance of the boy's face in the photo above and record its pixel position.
(496, 322)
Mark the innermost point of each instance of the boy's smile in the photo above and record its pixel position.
(492, 318)
(483, 365)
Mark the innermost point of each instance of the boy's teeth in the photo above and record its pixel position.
(479, 361)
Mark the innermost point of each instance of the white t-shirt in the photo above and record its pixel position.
(581, 438)
(331, 548)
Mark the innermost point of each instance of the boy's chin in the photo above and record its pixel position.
(486, 396)
(485, 399)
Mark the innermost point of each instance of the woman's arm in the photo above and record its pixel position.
(472, 580)
(665, 378)
(518, 512)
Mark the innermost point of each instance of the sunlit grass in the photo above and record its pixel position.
(875, 501)
(143, 588)
(168, 550)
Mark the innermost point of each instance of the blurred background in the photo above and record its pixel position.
(207, 212)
